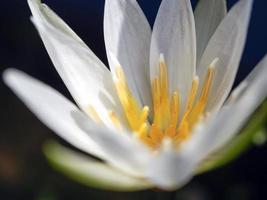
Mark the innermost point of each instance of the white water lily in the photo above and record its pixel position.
(161, 109)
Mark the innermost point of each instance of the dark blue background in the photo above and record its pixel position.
(24, 173)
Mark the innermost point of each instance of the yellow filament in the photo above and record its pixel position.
(202, 102)
(160, 96)
(182, 132)
(135, 115)
(166, 108)
(192, 95)
(144, 115)
(175, 103)
(174, 109)
(155, 134)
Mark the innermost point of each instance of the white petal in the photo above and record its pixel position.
(232, 117)
(125, 152)
(63, 117)
(174, 36)
(87, 79)
(51, 108)
(208, 15)
(170, 169)
(91, 172)
(127, 36)
(227, 44)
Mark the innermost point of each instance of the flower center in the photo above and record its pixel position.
(168, 120)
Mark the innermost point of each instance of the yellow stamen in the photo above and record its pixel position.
(170, 131)
(200, 106)
(155, 134)
(144, 115)
(156, 100)
(166, 108)
(192, 95)
(135, 115)
(164, 85)
(182, 133)
(174, 108)
(142, 132)
(189, 104)
(160, 95)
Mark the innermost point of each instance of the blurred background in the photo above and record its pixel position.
(24, 172)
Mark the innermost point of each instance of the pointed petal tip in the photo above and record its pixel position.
(245, 5)
(249, 5)
(10, 75)
(249, 2)
(205, 27)
(5, 75)
(35, 6)
(35, 3)
(13, 78)
(174, 25)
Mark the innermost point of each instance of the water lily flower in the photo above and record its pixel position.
(163, 108)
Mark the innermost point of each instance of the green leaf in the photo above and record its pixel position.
(91, 172)
(253, 133)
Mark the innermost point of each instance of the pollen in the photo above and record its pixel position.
(168, 120)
